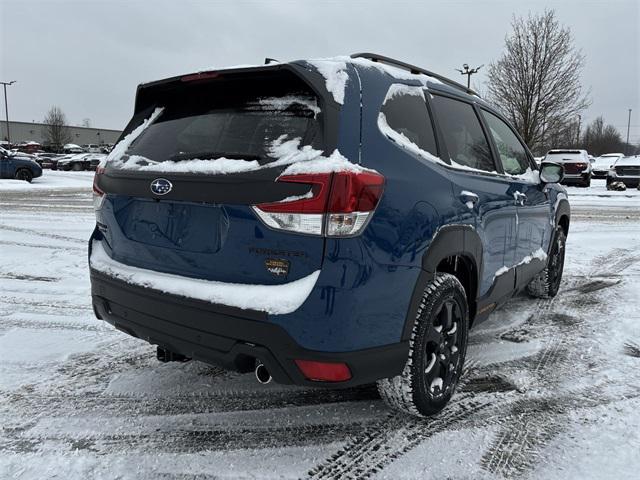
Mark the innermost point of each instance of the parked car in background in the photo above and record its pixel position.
(604, 163)
(79, 162)
(577, 167)
(94, 160)
(47, 160)
(625, 170)
(298, 248)
(18, 166)
(72, 148)
(92, 148)
(76, 162)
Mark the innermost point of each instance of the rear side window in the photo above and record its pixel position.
(463, 134)
(512, 153)
(405, 111)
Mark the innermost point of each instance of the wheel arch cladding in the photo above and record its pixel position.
(563, 215)
(455, 249)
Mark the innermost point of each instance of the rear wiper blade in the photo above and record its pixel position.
(212, 155)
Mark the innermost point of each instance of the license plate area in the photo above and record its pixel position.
(183, 226)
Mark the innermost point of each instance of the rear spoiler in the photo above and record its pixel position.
(314, 80)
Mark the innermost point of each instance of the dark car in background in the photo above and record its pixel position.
(576, 163)
(625, 170)
(326, 223)
(47, 160)
(18, 166)
(80, 162)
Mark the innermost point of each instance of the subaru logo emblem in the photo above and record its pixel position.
(161, 186)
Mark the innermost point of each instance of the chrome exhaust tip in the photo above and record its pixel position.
(262, 374)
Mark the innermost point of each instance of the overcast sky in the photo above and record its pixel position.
(88, 56)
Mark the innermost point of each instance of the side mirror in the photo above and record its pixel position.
(551, 172)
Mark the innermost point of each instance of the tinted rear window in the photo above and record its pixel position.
(239, 120)
(407, 114)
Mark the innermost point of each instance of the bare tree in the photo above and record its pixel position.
(600, 138)
(56, 132)
(536, 81)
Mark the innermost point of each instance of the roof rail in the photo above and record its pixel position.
(374, 57)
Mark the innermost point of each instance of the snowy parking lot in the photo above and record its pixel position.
(551, 388)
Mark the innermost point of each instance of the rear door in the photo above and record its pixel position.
(6, 166)
(477, 183)
(533, 221)
(179, 189)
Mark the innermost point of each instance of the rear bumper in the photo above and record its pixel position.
(226, 336)
(576, 178)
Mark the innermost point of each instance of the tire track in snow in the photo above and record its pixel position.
(43, 234)
(187, 439)
(390, 438)
(219, 399)
(632, 349)
(532, 423)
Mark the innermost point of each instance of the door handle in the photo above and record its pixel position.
(520, 198)
(469, 199)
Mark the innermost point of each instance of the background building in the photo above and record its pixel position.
(26, 131)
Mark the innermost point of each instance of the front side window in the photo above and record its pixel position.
(512, 153)
(405, 112)
(463, 135)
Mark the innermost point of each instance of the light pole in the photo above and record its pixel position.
(6, 108)
(578, 132)
(468, 72)
(626, 146)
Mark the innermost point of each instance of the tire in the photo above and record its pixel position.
(24, 174)
(587, 184)
(546, 283)
(435, 359)
(77, 167)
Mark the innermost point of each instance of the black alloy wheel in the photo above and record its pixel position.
(442, 349)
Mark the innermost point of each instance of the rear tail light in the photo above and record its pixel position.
(324, 371)
(336, 205)
(98, 195)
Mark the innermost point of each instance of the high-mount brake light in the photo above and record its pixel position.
(194, 77)
(337, 205)
(98, 194)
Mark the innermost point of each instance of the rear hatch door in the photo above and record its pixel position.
(198, 153)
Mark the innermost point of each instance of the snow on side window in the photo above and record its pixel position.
(405, 119)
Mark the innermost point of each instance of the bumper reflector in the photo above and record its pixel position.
(324, 371)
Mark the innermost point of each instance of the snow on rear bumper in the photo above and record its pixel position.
(272, 299)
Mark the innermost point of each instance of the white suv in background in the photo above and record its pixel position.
(577, 166)
(604, 163)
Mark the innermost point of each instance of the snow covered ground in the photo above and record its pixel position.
(551, 390)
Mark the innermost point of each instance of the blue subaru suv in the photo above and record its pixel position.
(329, 222)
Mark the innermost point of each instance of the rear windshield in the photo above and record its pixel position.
(244, 120)
(564, 156)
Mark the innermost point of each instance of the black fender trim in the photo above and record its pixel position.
(451, 240)
(563, 210)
